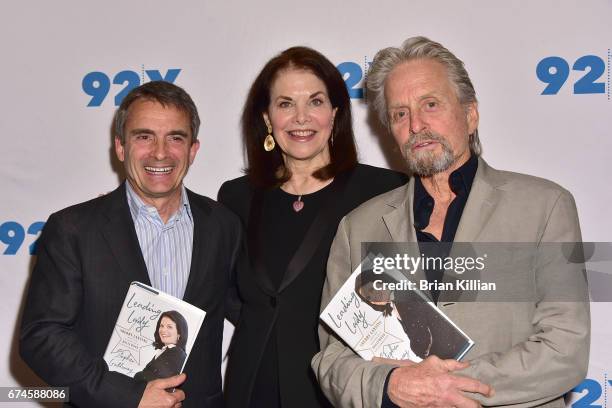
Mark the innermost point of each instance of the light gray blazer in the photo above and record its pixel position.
(530, 352)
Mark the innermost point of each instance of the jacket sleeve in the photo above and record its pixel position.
(48, 343)
(345, 378)
(554, 358)
(233, 304)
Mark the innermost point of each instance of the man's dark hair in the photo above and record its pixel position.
(166, 94)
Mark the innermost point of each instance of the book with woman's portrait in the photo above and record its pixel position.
(153, 335)
(399, 323)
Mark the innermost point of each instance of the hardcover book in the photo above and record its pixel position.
(153, 335)
(396, 324)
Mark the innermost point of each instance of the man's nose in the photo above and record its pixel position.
(160, 149)
(417, 122)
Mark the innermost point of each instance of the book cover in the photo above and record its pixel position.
(153, 335)
(396, 324)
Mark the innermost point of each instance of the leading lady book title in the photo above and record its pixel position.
(152, 326)
(391, 322)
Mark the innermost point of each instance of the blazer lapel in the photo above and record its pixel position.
(484, 197)
(400, 222)
(400, 225)
(119, 232)
(202, 227)
(482, 201)
(253, 244)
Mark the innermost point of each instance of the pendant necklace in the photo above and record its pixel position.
(298, 204)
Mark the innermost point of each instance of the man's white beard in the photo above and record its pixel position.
(427, 163)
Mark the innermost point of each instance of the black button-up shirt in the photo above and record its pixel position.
(460, 182)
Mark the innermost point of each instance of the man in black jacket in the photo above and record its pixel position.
(150, 229)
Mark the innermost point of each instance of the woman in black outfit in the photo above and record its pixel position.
(302, 178)
(170, 345)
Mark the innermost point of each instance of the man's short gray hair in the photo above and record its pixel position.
(419, 48)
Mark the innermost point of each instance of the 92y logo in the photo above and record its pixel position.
(591, 391)
(354, 76)
(98, 84)
(13, 235)
(554, 71)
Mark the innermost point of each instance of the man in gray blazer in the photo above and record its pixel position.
(526, 353)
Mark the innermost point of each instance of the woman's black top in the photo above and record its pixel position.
(280, 286)
(168, 363)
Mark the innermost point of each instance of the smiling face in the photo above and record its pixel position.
(167, 331)
(301, 116)
(426, 118)
(158, 151)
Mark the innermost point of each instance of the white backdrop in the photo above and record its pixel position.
(56, 150)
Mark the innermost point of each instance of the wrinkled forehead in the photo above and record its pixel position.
(145, 102)
(419, 78)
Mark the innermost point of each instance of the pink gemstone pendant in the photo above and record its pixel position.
(298, 205)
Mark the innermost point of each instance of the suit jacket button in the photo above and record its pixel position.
(273, 301)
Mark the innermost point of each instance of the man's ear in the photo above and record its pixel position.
(195, 146)
(472, 117)
(119, 149)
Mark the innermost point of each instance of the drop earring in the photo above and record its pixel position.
(269, 143)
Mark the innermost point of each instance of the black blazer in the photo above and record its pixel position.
(167, 364)
(87, 256)
(295, 307)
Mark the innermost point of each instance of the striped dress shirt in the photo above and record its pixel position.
(166, 248)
